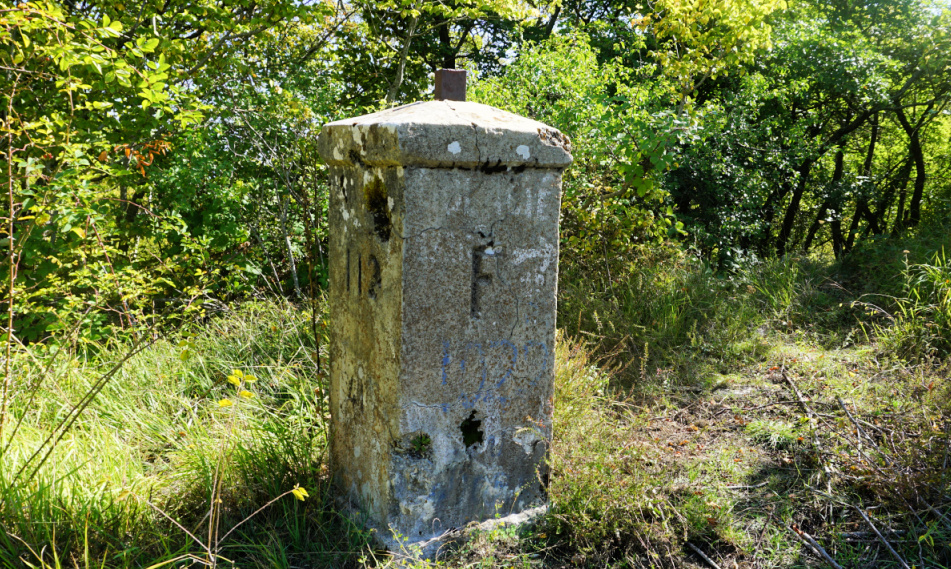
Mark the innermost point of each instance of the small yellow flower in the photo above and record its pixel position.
(234, 380)
(246, 394)
(225, 403)
(299, 493)
(237, 373)
(250, 378)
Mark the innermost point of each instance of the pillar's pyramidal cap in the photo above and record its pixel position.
(446, 134)
(443, 272)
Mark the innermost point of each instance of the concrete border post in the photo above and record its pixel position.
(443, 274)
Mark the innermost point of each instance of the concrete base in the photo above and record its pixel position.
(407, 553)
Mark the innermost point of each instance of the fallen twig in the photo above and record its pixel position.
(814, 545)
(758, 407)
(867, 534)
(812, 416)
(703, 555)
(861, 433)
(760, 485)
(858, 429)
(941, 516)
(882, 538)
(799, 397)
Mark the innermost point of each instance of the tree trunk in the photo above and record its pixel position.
(918, 155)
(870, 155)
(401, 67)
(836, 225)
(814, 228)
(790, 218)
(899, 183)
(900, 217)
(290, 251)
(861, 211)
(550, 27)
(773, 201)
(445, 42)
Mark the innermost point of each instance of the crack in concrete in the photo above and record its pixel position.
(425, 406)
(420, 233)
(518, 310)
(475, 136)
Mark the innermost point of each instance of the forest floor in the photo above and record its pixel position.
(775, 464)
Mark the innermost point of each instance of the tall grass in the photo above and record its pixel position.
(918, 324)
(143, 463)
(675, 310)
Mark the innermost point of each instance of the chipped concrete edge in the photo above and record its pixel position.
(406, 553)
(426, 550)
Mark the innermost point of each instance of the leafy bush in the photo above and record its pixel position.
(621, 143)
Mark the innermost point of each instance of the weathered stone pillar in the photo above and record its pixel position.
(443, 273)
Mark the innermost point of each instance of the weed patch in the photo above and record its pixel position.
(172, 447)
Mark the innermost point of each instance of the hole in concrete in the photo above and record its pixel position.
(376, 277)
(375, 194)
(471, 430)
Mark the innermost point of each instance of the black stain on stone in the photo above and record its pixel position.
(355, 395)
(376, 198)
(376, 277)
(489, 168)
(471, 430)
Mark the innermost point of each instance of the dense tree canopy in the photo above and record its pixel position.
(160, 155)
